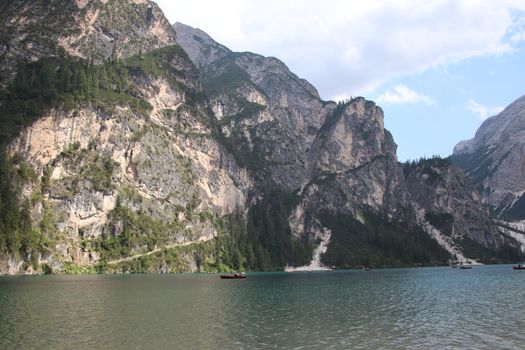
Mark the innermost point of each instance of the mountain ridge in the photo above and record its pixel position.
(162, 159)
(351, 137)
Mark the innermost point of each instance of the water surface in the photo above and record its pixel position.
(482, 308)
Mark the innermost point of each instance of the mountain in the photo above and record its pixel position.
(495, 160)
(112, 159)
(344, 167)
(261, 105)
(87, 29)
(129, 145)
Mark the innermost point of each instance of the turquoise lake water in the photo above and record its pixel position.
(425, 308)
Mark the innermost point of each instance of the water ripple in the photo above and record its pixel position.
(383, 309)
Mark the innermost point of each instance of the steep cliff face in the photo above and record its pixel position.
(337, 158)
(352, 135)
(449, 204)
(124, 177)
(121, 151)
(88, 29)
(356, 175)
(269, 117)
(353, 153)
(495, 160)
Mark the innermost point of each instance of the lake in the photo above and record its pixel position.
(418, 308)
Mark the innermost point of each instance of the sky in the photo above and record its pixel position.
(438, 68)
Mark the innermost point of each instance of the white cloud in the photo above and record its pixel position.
(350, 48)
(516, 32)
(482, 111)
(403, 94)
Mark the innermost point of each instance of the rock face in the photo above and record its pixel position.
(448, 201)
(337, 157)
(157, 178)
(201, 158)
(89, 29)
(200, 46)
(353, 154)
(495, 160)
(261, 106)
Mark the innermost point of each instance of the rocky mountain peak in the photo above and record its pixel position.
(268, 114)
(494, 160)
(121, 154)
(201, 48)
(352, 135)
(508, 124)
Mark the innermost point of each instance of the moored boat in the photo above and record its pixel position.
(234, 276)
(462, 264)
(465, 267)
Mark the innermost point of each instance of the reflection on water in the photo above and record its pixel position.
(481, 308)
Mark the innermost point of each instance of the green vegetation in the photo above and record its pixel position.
(175, 259)
(73, 269)
(232, 249)
(429, 166)
(100, 172)
(263, 242)
(269, 234)
(53, 82)
(157, 62)
(434, 161)
(160, 63)
(378, 243)
(491, 255)
(231, 76)
(247, 109)
(128, 229)
(59, 82)
(17, 235)
(238, 145)
(88, 168)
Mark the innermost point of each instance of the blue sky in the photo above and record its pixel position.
(461, 96)
(438, 68)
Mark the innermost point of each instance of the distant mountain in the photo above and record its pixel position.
(495, 160)
(129, 145)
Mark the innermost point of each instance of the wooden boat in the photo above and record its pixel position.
(462, 265)
(234, 276)
(518, 267)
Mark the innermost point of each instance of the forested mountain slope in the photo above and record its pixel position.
(128, 145)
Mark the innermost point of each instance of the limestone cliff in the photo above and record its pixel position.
(338, 158)
(128, 176)
(132, 146)
(269, 117)
(495, 160)
(89, 29)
